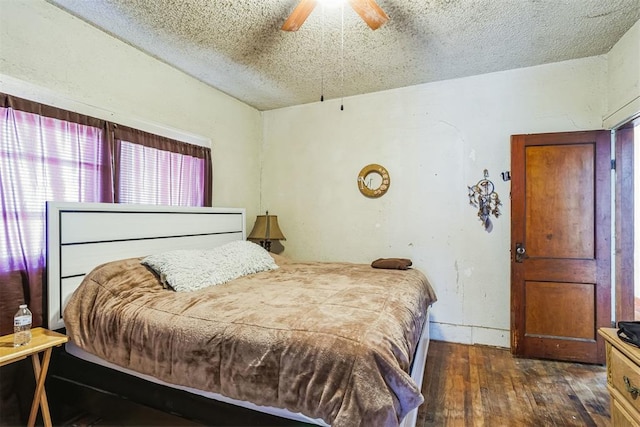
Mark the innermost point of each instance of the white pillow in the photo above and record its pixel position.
(190, 270)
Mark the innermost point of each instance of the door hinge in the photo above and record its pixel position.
(613, 164)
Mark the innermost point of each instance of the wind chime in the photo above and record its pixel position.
(483, 196)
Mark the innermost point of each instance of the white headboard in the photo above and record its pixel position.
(81, 236)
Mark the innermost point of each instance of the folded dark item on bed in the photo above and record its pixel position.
(329, 340)
(392, 263)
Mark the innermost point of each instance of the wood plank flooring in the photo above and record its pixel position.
(486, 386)
(464, 386)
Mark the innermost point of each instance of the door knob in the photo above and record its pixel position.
(521, 252)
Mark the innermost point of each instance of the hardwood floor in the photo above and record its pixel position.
(486, 386)
(464, 386)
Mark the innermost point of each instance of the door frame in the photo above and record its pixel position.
(624, 220)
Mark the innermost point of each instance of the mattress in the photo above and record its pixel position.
(332, 341)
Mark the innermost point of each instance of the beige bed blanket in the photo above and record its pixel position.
(329, 340)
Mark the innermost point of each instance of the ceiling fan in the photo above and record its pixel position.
(368, 10)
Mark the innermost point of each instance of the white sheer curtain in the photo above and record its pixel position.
(42, 159)
(151, 176)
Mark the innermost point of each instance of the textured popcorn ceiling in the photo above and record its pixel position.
(237, 45)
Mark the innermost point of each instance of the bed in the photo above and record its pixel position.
(322, 343)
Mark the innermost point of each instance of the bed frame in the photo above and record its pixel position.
(81, 236)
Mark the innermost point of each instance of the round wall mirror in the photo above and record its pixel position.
(373, 180)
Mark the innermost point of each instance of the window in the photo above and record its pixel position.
(44, 158)
(157, 170)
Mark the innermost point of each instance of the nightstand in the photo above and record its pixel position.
(42, 340)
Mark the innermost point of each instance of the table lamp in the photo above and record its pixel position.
(265, 230)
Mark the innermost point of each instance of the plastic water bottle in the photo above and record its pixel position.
(22, 326)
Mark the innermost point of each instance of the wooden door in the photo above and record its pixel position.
(560, 245)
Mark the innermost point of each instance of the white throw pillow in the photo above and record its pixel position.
(187, 270)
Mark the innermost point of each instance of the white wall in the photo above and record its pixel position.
(623, 83)
(435, 140)
(45, 47)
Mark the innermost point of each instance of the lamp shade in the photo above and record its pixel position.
(266, 228)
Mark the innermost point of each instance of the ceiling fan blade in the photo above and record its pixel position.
(370, 12)
(299, 15)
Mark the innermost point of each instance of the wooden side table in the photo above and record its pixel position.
(42, 340)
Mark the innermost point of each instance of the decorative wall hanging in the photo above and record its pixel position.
(373, 180)
(483, 197)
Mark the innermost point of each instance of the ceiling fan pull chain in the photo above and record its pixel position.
(322, 57)
(342, 59)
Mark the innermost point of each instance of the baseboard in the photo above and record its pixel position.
(467, 334)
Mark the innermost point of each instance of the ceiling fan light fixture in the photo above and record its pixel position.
(331, 4)
(369, 11)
